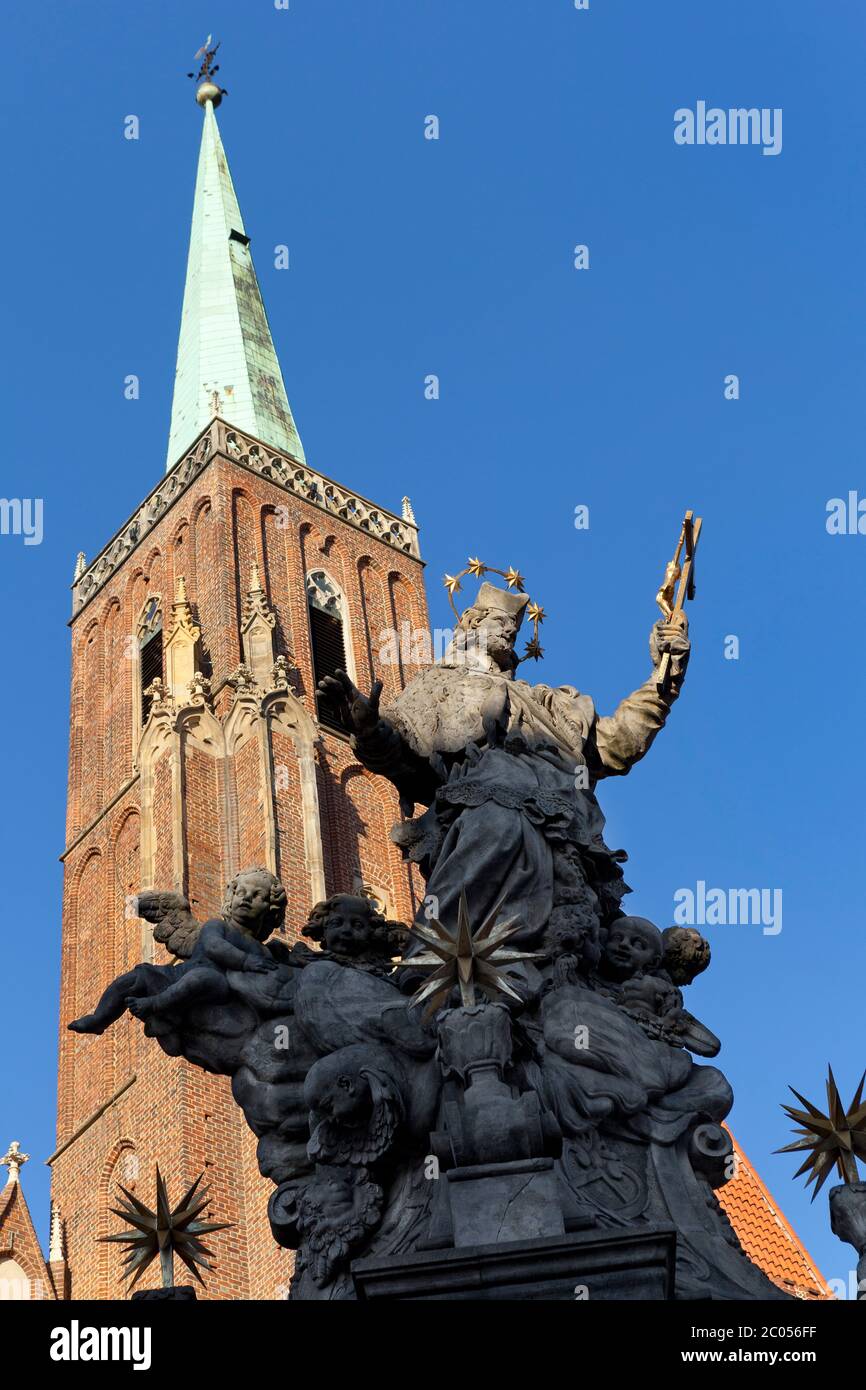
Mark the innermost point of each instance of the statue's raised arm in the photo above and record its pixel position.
(621, 739)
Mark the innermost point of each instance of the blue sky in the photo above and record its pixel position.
(559, 387)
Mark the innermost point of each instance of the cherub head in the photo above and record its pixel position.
(572, 936)
(633, 947)
(687, 954)
(337, 1210)
(255, 901)
(355, 1105)
(350, 928)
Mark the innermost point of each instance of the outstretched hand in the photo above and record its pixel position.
(359, 713)
(670, 636)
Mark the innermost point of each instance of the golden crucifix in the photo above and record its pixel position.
(671, 599)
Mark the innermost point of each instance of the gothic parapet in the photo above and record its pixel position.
(88, 581)
(400, 532)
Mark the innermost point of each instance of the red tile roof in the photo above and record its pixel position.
(766, 1236)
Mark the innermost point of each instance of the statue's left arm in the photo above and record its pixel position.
(621, 739)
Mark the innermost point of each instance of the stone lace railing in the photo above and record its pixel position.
(220, 438)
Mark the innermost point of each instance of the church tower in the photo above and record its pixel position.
(198, 745)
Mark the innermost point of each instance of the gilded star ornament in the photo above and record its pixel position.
(165, 1232)
(515, 581)
(833, 1140)
(470, 961)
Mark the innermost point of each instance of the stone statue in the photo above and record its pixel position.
(507, 770)
(547, 1096)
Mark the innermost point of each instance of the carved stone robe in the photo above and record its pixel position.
(508, 771)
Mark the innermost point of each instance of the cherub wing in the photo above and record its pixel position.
(173, 922)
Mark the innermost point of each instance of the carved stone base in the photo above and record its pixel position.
(576, 1266)
(504, 1202)
(487, 1203)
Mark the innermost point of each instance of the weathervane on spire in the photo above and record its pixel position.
(207, 89)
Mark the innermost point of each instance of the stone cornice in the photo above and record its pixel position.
(222, 440)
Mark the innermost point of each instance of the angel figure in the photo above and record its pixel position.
(636, 966)
(351, 931)
(226, 955)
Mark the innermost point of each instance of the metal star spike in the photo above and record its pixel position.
(165, 1232)
(836, 1139)
(469, 961)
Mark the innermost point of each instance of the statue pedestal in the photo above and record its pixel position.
(576, 1266)
(503, 1202)
(180, 1292)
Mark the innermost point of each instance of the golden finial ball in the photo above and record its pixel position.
(208, 91)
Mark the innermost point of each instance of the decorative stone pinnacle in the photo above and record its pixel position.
(243, 679)
(200, 688)
(56, 1244)
(80, 565)
(181, 614)
(160, 695)
(256, 602)
(14, 1160)
(408, 511)
(281, 674)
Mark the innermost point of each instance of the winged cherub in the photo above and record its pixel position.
(223, 954)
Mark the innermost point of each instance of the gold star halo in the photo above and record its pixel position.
(515, 581)
(835, 1140)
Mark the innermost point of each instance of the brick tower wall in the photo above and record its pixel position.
(202, 794)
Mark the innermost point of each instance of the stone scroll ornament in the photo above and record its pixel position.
(515, 1068)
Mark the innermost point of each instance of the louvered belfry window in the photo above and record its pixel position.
(326, 634)
(149, 655)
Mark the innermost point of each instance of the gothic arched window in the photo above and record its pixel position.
(149, 654)
(325, 604)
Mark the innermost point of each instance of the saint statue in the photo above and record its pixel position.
(507, 770)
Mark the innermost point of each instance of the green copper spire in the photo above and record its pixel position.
(226, 362)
